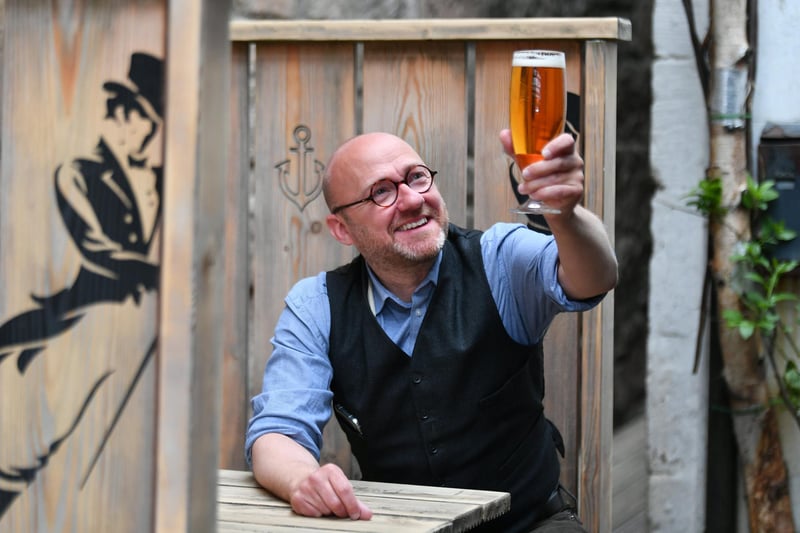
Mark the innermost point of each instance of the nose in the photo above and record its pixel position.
(408, 198)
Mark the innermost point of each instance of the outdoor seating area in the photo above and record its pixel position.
(441, 85)
(233, 145)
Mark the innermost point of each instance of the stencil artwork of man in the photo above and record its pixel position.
(110, 203)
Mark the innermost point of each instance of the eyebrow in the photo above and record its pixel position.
(407, 169)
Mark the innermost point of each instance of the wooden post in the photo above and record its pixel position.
(597, 371)
(110, 315)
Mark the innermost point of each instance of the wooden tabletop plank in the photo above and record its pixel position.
(235, 478)
(272, 516)
(242, 527)
(422, 492)
(462, 514)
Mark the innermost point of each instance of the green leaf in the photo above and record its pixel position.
(755, 277)
(784, 267)
(746, 329)
(707, 197)
(733, 317)
(784, 297)
(791, 378)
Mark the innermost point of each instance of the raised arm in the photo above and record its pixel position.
(587, 263)
(290, 472)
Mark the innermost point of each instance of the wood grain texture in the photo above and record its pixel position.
(191, 311)
(56, 58)
(493, 195)
(494, 198)
(304, 97)
(594, 463)
(431, 29)
(237, 280)
(418, 92)
(396, 507)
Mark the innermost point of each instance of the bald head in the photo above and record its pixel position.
(365, 157)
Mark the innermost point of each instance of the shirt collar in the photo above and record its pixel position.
(381, 294)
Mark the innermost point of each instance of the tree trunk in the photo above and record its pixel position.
(755, 423)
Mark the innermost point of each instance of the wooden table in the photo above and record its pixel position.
(244, 506)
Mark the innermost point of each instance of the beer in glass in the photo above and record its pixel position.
(537, 111)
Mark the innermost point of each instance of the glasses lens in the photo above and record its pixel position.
(419, 179)
(384, 193)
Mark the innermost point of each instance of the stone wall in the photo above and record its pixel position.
(635, 185)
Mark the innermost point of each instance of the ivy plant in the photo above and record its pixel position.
(758, 274)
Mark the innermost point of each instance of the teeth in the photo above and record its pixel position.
(413, 225)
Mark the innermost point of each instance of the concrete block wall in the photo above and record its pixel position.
(676, 397)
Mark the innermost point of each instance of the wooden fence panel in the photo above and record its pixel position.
(493, 200)
(304, 108)
(425, 81)
(68, 370)
(493, 195)
(235, 399)
(418, 92)
(108, 316)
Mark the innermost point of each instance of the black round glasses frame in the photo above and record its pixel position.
(389, 189)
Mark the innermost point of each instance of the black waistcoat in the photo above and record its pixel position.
(465, 410)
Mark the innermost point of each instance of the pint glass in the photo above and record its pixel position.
(537, 109)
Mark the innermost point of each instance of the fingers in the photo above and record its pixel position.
(558, 179)
(328, 491)
(505, 140)
(555, 170)
(561, 146)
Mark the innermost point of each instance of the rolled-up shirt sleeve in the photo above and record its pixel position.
(522, 268)
(295, 399)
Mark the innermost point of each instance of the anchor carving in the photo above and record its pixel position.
(303, 185)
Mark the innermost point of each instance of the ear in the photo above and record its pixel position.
(339, 230)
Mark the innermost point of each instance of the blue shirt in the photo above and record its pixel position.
(522, 269)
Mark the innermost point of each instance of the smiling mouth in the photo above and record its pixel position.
(412, 225)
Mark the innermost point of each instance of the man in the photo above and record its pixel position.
(428, 344)
(110, 205)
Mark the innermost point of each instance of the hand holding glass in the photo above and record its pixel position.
(537, 110)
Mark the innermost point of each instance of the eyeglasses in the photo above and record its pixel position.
(384, 192)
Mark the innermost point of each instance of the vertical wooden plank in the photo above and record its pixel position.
(600, 97)
(198, 59)
(418, 92)
(237, 282)
(493, 199)
(76, 366)
(493, 194)
(304, 108)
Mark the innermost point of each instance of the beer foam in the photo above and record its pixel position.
(532, 59)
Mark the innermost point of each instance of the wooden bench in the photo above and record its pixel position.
(442, 85)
